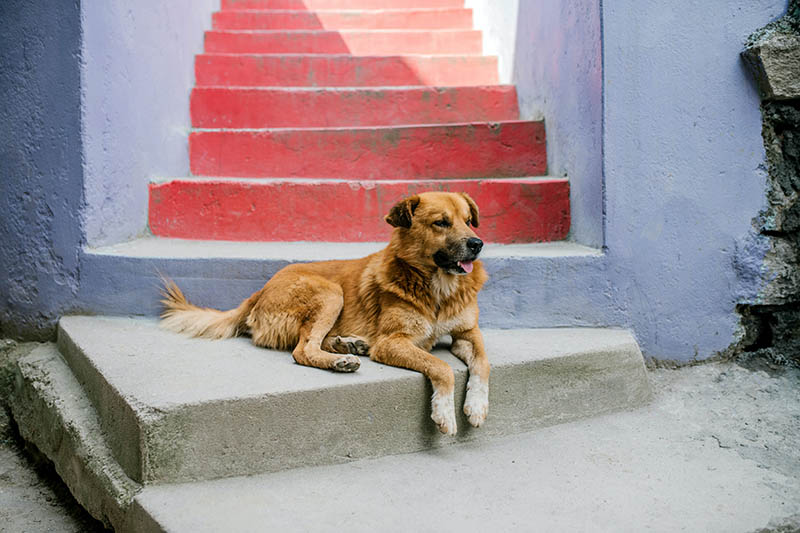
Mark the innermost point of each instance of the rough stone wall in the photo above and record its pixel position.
(771, 322)
(40, 163)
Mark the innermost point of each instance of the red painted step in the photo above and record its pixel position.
(219, 107)
(512, 210)
(354, 42)
(338, 4)
(254, 70)
(337, 20)
(514, 148)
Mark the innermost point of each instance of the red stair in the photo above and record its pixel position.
(312, 117)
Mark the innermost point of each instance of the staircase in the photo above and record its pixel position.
(312, 118)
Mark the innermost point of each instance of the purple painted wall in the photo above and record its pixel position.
(40, 163)
(684, 167)
(137, 73)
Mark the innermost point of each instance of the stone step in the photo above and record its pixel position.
(353, 42)
(176, 409)
(512, 210)
(473, 150)
(273, 19)
(338, 4)
(643, 470)
(554, 284)
(226, 107)
(338, 70)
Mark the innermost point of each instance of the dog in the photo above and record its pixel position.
(392, 305)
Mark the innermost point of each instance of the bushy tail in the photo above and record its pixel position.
(182, 317)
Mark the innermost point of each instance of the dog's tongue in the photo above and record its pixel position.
(466, 265)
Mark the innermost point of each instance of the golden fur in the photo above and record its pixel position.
(392, 305)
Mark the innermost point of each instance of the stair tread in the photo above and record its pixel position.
(178, 409)
(476, 123)
(167, 248)
(357, 88)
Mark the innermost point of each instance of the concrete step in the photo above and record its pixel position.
(325, 70)
(338, 4)
(226, 107)
(475, 150)
(554, 284)
(353, 42)
(653, 469)
(176, 409)
(512, 210)
(412, 19)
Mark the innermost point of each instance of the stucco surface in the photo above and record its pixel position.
(136, 77)
(40, 163)
(684, 167)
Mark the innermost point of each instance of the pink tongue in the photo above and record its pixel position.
(466, 265)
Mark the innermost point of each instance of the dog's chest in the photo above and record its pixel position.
(442, 326)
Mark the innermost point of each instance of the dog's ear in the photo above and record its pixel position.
(473, 210)
(400, 215)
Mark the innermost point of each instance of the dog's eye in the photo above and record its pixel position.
(444, 223)
(468, 222)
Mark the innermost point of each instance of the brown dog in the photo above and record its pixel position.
(392, 305)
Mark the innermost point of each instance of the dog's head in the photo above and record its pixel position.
(435, 229)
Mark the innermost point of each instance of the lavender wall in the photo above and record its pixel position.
(40, 163)
(137, 73)
(684, 167)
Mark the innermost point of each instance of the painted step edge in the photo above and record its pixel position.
(512, 210)
(353, 42)
(339, 70)
(228, 107)
(558, 284)
(279, 19)
(469, 150)
(54, 414)
(336, 4)
(234, 427)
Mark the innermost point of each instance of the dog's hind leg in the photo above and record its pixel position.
(327, 304)
(339, 344)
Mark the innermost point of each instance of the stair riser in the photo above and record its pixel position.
(226, 108)
(338, 4)
(304, 20)
(351, 42)
(512, 210)
(343, 71)
(459, 151)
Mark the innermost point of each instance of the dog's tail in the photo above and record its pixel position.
(181, 316)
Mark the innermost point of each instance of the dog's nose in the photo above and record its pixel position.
(474, 244)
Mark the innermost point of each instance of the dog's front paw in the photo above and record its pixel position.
(476, 404)
(443, 412)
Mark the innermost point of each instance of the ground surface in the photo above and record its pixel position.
(721, 420)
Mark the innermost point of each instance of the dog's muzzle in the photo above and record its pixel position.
(459, 261)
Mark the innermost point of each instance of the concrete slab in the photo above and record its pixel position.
(661, 468)
(178, 409)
